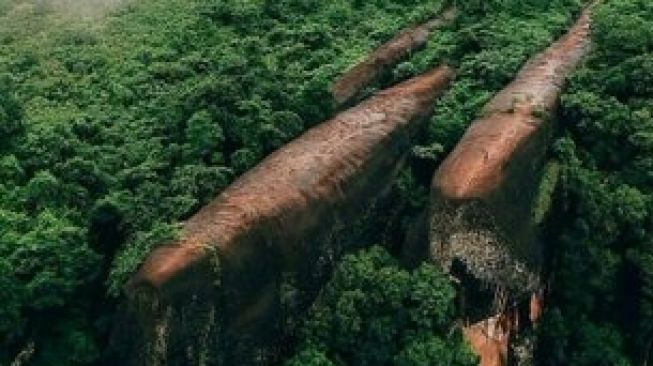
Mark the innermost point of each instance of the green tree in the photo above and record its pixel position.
(373, 312)
(600, 230)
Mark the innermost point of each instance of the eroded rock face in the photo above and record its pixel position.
(387, 55)
(482, 192)
(500, 341)
(224, 274)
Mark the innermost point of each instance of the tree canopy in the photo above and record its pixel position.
(373, 312)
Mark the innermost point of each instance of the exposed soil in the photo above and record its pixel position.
(490, 339)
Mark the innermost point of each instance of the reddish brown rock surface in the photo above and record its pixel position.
(234, 250)
(482, 192)
(297, 187)
(490, 340)
(387, 55)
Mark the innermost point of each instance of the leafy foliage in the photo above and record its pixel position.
(604, 214)
(373, 312)
(112, 131)
(488, 44)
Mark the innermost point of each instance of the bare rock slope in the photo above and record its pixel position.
(482, 227)
(225, 270)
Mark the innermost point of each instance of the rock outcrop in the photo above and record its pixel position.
(352, 82)
(482, 192)
(481, 222)
(221, 279)
(490, 340)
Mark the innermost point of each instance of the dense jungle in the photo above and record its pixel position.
(121, 119)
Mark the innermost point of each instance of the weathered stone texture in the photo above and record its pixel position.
(482, 195)
(482, 192)
(227, 266)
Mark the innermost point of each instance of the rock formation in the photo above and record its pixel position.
(221, 279)
(482, 192)
(481, 204)
(385, 57)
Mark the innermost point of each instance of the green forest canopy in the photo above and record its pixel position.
(115, 128)
(117, 124)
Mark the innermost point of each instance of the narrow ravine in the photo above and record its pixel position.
(481, 206)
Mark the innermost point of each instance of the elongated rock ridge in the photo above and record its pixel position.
(224, 273)
(482, 192)
(352, 82)
(481, 225)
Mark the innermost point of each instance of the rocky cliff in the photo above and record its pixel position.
(481, 215)
(220, 281)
